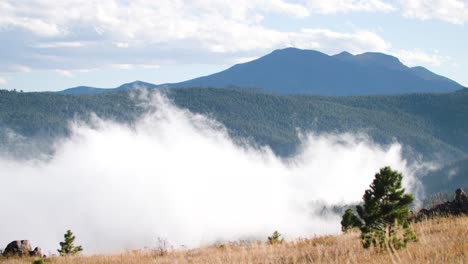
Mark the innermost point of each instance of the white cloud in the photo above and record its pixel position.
(279, 6)
(65, 73)
(345, 6)
(133, 66)
(121, 44)
(451, 11)
(214, 25)
(122, 66)
(62, 44)
(148, 33)
(418, 57)
(3, 81)
(19, 68)
(332, 41)
(149, 66)
(243, 59)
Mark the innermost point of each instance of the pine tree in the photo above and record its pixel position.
(67, 247)
(275, 238)
(350, 221)
(385, 211)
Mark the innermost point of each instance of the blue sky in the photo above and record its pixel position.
(53, 45)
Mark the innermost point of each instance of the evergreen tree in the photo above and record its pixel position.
(67, 247)
(385, 211)
(275, 238)
(350, 221)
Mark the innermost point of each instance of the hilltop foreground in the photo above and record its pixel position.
(440, 240)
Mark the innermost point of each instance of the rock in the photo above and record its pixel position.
(456, 207)
(37, 252)
(17, 248)
(460, 196)
(21, 248)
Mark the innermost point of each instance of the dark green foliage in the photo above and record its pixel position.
(430, 124)
(67, 247)
(38, 261)
(385, 211)
(433, 125)
(350, 221)
(275, 238)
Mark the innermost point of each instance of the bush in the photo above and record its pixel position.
(350, 221)
(67, 247)
(38, 261)
(275, 238)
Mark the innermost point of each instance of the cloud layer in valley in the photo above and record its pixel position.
(179, 176)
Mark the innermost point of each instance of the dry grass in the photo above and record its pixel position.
(442, 240)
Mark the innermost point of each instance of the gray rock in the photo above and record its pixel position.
(460, 196)
(17, 248)
(21, 248)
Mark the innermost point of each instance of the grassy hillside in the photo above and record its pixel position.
(443, 240)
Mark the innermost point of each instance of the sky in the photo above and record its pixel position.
(49, 45)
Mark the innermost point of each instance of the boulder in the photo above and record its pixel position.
(37, 252)
(460, 196)
(458, 206)
(21, 248)
(17, 248)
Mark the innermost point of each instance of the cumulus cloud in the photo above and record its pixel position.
(51, 35)
(345, 6)
(63, 44)
(419, 57)
(19, 68)
(64, 73)
(142, 32)
(333, 42)
(179, 176)
(451, 11)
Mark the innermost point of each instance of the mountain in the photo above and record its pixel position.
(296, 71)
(94, 90)
(84, 90)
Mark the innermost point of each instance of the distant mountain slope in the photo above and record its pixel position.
(94, 90)
(295, 71)
(84, 90)
(432, 125)
(448, 178)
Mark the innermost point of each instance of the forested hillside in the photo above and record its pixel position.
(431, 125)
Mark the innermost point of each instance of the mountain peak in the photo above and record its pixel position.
(343, 55)
(381, 59)
(299, 71)
(136, 84)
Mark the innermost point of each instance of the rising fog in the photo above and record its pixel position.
(179, 176)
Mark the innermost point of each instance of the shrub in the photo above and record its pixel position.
(275, 238)
(67, 247)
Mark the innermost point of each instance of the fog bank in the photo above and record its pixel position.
(179, 176)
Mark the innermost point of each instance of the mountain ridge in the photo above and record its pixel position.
(297, 71)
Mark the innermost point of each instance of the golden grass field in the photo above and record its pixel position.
(441, 240)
